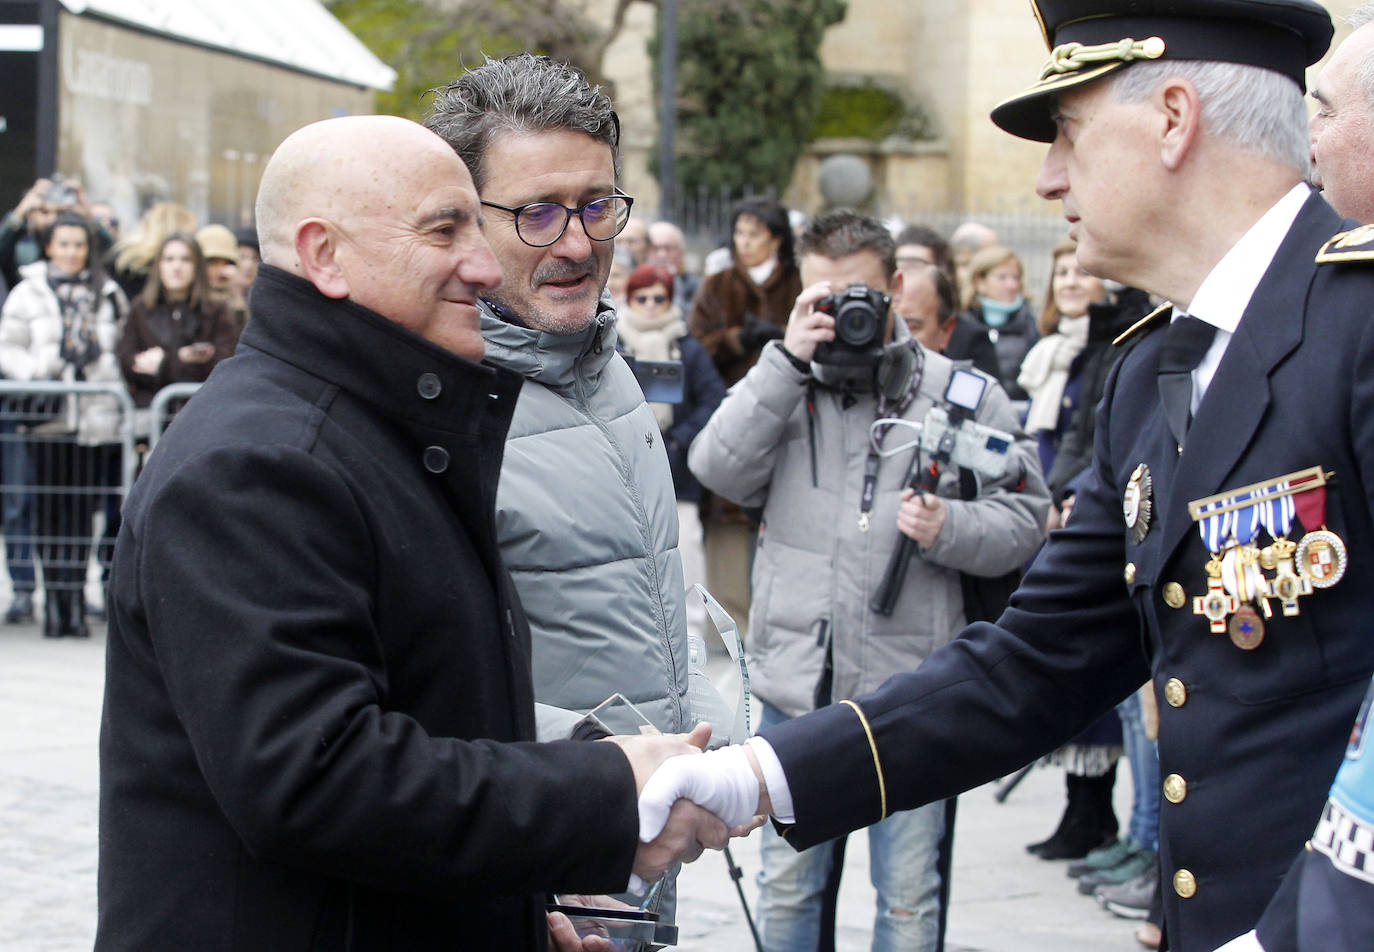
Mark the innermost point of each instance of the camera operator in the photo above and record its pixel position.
(793, 437)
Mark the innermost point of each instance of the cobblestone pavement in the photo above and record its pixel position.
(50, 695)
(1004, 900)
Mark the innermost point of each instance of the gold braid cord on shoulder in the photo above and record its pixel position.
(877, 764)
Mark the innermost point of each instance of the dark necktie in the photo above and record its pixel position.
(1185, 342)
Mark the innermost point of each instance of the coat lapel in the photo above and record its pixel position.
(1238, 396)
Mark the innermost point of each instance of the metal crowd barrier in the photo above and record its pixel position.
(165, 404)
(61, 484)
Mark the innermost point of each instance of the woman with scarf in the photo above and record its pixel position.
(60, 323)
(175, 332)
(1050, 373)
(651, 328)
(1000, 307)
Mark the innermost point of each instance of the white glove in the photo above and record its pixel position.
(721, 781)
(1243, 943)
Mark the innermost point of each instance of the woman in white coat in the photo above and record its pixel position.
(61, 323)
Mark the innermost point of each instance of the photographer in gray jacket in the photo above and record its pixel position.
(794, 438)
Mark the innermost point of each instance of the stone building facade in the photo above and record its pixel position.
(956, 58)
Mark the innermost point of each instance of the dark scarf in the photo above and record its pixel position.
(78, 305)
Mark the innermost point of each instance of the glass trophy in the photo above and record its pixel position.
(717, 692)
(618, 715)
(718, 676)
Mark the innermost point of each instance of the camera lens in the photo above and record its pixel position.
(857, 324)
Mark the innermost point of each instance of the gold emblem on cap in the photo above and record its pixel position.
(1185, 884)
(1071, 57)
(1175, 788)
(1175, 693)
(1137, 503)
(1174, 596)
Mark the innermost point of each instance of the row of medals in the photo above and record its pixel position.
(1318, 560)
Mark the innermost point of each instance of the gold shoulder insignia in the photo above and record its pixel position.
(1145, 321)
(1354, 245)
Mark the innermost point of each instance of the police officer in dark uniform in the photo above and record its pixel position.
(1218, 545)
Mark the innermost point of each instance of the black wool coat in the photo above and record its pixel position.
(318, 693)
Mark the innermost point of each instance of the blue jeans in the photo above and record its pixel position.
(1143, 756)
(903, 853)
(16, 469)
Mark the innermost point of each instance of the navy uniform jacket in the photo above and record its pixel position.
(1249, 739)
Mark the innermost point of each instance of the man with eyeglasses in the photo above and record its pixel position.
(586, 512)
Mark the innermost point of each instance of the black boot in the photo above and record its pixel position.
(52, 614)
(1083, 823)
(1094, 824)
(1072, 809)
(74, 614)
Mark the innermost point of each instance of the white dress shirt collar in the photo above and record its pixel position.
(1226, 291)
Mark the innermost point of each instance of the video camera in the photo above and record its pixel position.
(949, 435)
(860, 314)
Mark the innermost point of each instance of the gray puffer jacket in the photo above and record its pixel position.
(815, 569)
(587, 522)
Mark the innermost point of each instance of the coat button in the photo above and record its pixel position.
(436, 459)
(429, 386)
(1175, 788)
(1185, 884)
(1175, 693)
(1129, 574)
(1174, 596)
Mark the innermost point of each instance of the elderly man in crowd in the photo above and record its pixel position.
(668, 249)
(318, 706)
(1343, 125)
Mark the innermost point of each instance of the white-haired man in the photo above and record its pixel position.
(1343, 125)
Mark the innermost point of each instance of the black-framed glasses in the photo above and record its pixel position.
(540, 224)
(651, 299)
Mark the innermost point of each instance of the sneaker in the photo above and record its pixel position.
(21, 608)
(1131, 899)
(1141, 861)
(1104, 857)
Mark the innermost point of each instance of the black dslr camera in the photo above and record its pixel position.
(860, 315)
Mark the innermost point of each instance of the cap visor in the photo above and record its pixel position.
(1030, 113)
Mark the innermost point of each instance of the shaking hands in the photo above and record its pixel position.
(690, 800)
